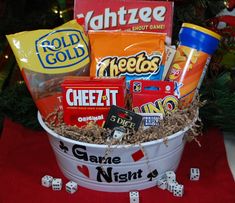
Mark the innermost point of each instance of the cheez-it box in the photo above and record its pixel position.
(87, 99)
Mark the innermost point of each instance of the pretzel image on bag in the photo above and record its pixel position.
(135, 55)
(46, 56)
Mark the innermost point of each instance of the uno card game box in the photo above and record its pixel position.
(88, 99)
(149, 96)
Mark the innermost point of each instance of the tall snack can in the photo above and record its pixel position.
(191, 60)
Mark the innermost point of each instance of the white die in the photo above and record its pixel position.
(71, 187)
(194, 173)
(134, 197)
(46, 181)
(170, 176)
(178, 190)
(162, 183)
(171, 185)
(57, 184)
(118, 135)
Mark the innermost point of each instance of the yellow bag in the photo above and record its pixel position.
(46, 56)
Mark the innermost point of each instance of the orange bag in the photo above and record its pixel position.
(135, 55)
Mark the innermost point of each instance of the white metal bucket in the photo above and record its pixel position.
(126, 167)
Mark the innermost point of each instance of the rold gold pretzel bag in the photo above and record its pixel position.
(46, 56)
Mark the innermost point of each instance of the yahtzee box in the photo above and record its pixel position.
(150, 16)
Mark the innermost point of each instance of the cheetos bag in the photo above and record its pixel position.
(135, 55)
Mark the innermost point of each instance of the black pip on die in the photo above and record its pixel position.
(168, 181)
(46, 181)
(162, 183)
(56, 184)
(170, 176)
(171, 185)
(178, 190)
(71, 187)
(134, 197)
(194, 174)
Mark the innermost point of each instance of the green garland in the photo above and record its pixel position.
(196, 12)
(219, 110)
(17, 104)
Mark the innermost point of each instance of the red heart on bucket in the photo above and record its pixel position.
(84, 170)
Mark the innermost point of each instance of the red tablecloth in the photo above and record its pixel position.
(25, 156)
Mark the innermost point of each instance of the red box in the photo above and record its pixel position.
(87, 99)
(149, 96)
(150, 16)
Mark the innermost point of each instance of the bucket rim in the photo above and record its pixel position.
(144, 144)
